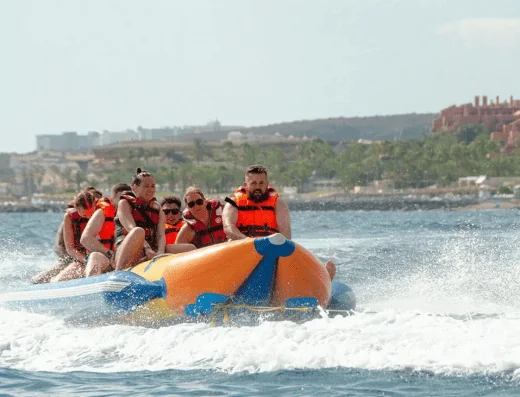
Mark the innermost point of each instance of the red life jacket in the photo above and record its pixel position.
(210, 234)
(144, 216)
(107, 232)
(255, 218)
(171, 231)
(78, 225)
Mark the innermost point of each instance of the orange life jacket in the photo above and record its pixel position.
(144, 216)
(171, 231)
(256, 219)
(210, 234)
(107, 232)
(78, 225)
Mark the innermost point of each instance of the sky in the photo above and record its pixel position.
(75, 65)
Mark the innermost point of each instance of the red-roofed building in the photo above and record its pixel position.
(510, 134)
(493, 115)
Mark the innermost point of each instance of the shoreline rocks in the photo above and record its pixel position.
(337, 203)
(389, 203)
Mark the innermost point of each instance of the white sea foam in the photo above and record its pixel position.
(441, 301)
(389, 339)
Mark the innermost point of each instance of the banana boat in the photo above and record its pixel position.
(263, 275)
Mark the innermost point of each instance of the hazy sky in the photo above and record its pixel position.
(80, 65)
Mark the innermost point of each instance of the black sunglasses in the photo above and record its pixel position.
(191, 204)
(173, 211)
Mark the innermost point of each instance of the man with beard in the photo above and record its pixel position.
(255, 209)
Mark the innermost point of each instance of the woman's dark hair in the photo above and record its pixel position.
(120, 187)
(94, 191)
(85, 199)
(171, 200)
(139, 175)
(193, 190)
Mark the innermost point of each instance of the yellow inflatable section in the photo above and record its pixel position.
(263, 271)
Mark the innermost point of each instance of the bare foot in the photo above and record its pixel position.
(331, 268)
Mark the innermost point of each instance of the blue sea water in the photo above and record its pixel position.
(438, 315)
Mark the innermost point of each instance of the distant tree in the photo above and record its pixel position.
(168, 176)
(229, 150)
(249, 154)
(468, 132)
(79, 178)
(200, 150)
(505, 190)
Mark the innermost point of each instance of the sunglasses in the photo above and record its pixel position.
(173, 211)
(191, 204)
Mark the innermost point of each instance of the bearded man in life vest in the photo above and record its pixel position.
(255, 209)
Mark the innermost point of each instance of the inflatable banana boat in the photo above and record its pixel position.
(218, 283)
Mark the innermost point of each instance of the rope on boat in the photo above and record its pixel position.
(225, 307)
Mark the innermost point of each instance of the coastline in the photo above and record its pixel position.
(339, 202)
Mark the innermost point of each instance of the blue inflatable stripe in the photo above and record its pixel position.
(107, 294)
(256, 290)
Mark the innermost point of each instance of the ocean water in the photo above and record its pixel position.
(438, 315)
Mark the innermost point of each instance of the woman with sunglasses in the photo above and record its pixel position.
(171, 207)
(203, 217)
(139, 223)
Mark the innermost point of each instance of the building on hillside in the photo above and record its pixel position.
(5, 161)
(236, 136)
(67, 141)
(493, 115)
(153, 134)
(510, 134)
(468, 181)
(110, 138)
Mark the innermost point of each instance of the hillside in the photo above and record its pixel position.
(392, 127)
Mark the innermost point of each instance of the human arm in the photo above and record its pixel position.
(89, 237)
(283, 218)
(161, 237)
(186, 234)
(124, 214)
(68, 236)
(229, 221)
(59, 243)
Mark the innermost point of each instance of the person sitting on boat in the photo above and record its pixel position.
(203, 217)
(139, 223)
(64, 259)
(74, 222)
(98, 236)
(255, 209)
(171, 207)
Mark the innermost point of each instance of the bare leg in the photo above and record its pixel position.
(331, 268)
(73, 271)
(97, 264)
(178, 248)
(47, 275)
(130, 251)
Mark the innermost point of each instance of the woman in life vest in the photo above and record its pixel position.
(59, 248)
(99, 234)
(139, 223)
(203, 217)
(171, 207)
(74, 223)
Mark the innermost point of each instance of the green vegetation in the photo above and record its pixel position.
(438, 159)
